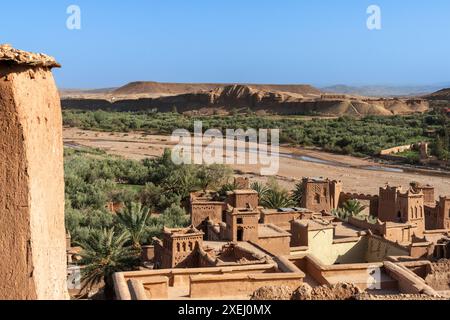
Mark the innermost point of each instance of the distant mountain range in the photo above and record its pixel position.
(385, 91)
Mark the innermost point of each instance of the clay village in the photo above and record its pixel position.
(243, 240)
(235, 248)
(247, 155)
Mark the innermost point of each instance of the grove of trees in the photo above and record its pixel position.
(355, 136)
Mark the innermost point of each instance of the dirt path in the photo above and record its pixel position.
(358, 175)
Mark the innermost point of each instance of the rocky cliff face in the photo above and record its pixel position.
(165, 89)
(257, 99)
(33, 254)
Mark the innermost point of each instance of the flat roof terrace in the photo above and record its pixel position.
(218, 283)
(271, 231)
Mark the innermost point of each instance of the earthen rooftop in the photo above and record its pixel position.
(18, 57)
(315, 224)
(269, 230)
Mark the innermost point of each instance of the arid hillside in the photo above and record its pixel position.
(164, 89)
(443, 94)
(209, 98)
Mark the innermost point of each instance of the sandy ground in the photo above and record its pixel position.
(355, 178)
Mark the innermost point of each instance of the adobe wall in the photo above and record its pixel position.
(237, 253)
(387, 204)
(378, 249)
(411, 207)
(240, 285)
(408, 282)
(431, 217)
(299, 234)
(33, 254)
(357, 273)
(420, 268)
(428, 194)
(316, 196)
(395, 150)
(321, 244)
(444, 213)
(373, 200)
(240, 198)
(280, 219)
(348, 251)
(248, 225)
(153, 289)
(397, 233)
(200, 211)
(276, 245)
(148, 253)
(366, 225)
(179, 277)
(320, 194)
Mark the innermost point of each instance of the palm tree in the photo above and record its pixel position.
(340, 214)
(298, 193)
(229, 186)
(133, 218)
(261, 189)
(181, 181)
(104, 253)
(353, 207)
(275, 199)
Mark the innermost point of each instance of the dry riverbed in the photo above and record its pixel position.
(358, 175)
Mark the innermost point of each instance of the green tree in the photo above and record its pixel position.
(230, 186)
(181, 181)
(275, 199)
(439, 149)
(133, 218)
(261, 189)
(158, 198)
(103, 254)
(353, 207)
(174, 217)
(298, 193)
(212, 176)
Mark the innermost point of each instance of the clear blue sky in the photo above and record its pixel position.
(321, 42)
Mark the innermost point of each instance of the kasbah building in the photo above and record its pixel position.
(234, 248)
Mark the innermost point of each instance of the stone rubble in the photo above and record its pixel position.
(18, 57)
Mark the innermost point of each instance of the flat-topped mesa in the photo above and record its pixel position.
(33, 262)
(9, 55)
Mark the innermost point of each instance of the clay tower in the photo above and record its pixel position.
(32, 235)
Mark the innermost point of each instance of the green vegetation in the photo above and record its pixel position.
(272, 195)
(133, 218)
(411, 156)
(351, 208)
(346, 135)
(441, 145)
(154, 193)
(260, 188)
(94, 179)
(299, 191)
(105, 253)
